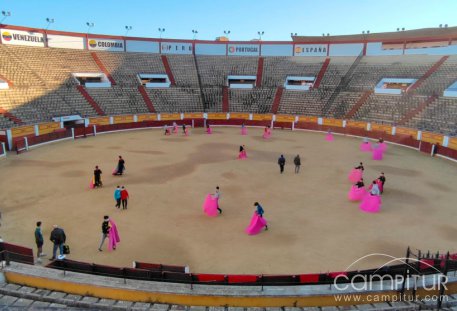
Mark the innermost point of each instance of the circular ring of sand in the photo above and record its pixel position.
(313, 227)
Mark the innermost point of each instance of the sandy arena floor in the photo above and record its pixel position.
(313, 227)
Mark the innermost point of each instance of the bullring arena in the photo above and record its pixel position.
(70, 105)
(168, 177)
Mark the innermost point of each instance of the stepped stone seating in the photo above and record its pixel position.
(441, 79)
(5, 123)
(304, 103)
(343, 104)
(390, 109)
(53, 67)
(176, 99)
(124, 67)
(118, 100)
(336, 70)
(372, 69)
(33, 105)
(276, 69)
(439, 117)
(184, 70)
(251, 100)
(212, 99)
(215, 69)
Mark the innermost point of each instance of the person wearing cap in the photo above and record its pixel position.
(105, 231)
(58, 237)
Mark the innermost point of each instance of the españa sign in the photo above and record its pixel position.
(310, 50)
(18, 37)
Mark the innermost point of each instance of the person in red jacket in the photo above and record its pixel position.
(124, 197)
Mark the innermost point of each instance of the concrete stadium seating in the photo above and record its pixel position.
(42, 86)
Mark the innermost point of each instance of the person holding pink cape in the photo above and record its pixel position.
(244, 130)
(211, 204)
(109, 230)
(242, 154)
(113, 236)
(257, 221)
(266, 133)
(329, 135)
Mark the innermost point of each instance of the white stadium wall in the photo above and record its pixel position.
(352, 49)
(142, 46)
(16, 35)
(277, 50)
(66, 42)
(375, 49)
(20, 37)
(210, 49)
(445, 50)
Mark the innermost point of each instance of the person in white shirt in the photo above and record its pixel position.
(217, 195)
(375, 189)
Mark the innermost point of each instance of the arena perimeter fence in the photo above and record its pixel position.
(25, 143)
(425, 264)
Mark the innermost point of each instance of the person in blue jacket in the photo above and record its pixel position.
(117, 196)
(260, 211)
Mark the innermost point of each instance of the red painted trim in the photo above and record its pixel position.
(6, 80)
(167, 67)
(102, 67)
(328, 49)
(364, 50)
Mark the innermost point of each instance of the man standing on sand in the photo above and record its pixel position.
(124, 197)
(58, 238)
(39, 241)
(105, 231)
(120, 166)
(281, 162)
(97, 177)
(297, 163)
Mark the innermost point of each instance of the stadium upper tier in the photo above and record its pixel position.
(42, 84)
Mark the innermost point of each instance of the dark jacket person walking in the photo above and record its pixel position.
(281, 162)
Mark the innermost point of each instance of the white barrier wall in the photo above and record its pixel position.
(375, 48)
(277, 50)
(65, 42)
(33, 37)
(19, 37)
(210, 49)
(111, 45)
(142, 46)
(353, 49)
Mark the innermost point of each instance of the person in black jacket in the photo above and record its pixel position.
(105, 231)
(382, 178)
(97, 177)
(281, 162)
(58, 238)
(120, 166)
(297, 163)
